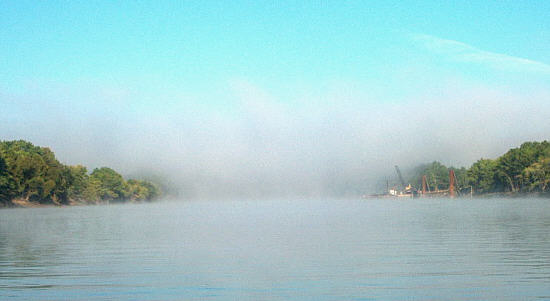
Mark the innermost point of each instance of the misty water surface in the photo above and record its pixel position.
(279, 250)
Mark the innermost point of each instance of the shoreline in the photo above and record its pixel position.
(22, 203)
(490, 195)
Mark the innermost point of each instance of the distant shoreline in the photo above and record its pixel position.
(31, 176)
(21, 203)
(520, 172)
(490, 195)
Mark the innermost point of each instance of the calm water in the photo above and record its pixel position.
(279, 250)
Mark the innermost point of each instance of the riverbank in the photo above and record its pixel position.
(513, 195)
(31, 176)
(22, 203)
(521, 171)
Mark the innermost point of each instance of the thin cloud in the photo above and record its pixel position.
(463, 52)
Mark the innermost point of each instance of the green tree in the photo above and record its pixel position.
(36, 173)
(482, 175)
(33, 173)
(142, 190)
(461, 175)
(92, 192)
(78, 178)
(436, 174)
(511, 165)
(7, 185)
(537, 175)
(112, 185)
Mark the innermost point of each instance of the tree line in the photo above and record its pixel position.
(523, 169)
(32, 173)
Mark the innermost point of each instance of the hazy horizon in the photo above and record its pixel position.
(268, 100)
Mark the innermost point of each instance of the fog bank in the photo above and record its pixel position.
(254, 144)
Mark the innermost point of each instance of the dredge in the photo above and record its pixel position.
(408, 191)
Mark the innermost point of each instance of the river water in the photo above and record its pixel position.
(425, 249)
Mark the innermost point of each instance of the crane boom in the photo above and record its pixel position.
(400, 176)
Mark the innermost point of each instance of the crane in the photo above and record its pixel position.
(400, 177)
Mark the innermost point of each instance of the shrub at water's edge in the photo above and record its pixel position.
(32, 174)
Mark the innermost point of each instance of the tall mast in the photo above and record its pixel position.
(400, 177)
(452, 183)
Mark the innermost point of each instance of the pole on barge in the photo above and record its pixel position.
(451, 183)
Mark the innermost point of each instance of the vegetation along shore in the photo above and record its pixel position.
(520, 171)
(31, 176)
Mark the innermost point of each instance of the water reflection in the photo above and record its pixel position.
(279, 250)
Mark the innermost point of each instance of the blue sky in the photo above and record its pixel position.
(101, 80)
(200, 46)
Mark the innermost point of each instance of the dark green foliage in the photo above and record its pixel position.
(461, 175)
(536, 177)
(32, 173)
(111, 184)
(526, 168)
(143, 190)
(35, 172)
(511, 166)
(437, 176)
(483, 176)
(7, 184)
(78, 176)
